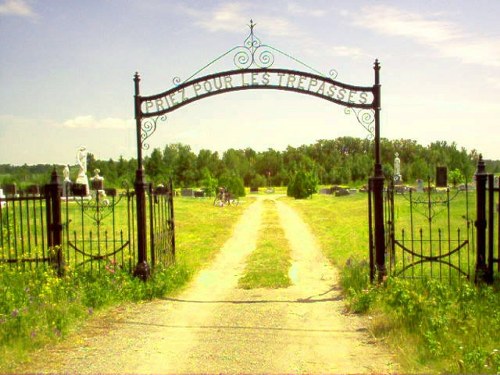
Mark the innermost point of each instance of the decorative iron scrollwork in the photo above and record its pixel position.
(366, 118)
(333, 73)
(254, 54)
(429, 204)
(148, 127)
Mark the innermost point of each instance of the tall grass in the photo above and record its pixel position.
(268, 265)
(432, 326)
(38, 308)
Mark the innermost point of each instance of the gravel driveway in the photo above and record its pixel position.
(214, 327)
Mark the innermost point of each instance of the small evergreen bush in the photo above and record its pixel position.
(302, 185)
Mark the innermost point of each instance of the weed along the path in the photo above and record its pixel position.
(215, 326)
(268, 266)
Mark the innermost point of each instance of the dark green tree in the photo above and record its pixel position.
(302, 185)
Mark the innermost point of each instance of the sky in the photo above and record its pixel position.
(67, 67)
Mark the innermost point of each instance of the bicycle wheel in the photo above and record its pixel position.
(218, 202)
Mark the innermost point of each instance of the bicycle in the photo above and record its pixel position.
(224, 197)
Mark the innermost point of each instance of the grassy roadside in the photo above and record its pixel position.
(432, 327)
(268, 265)
(37, 308)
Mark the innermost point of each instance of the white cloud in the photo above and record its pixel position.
(303, 11)
(446, 37)
(232, 16)
(89, 122)
(227, 17)
(346, 51)
(16, 8)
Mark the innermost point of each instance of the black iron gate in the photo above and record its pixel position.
(95, 233)
(430, 232)
(445, 233)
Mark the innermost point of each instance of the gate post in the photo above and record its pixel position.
(481, 177)
(142, 270)
(378, 183)
(53, 193)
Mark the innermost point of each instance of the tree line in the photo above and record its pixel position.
(340, 161)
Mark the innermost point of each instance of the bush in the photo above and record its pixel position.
(302, 185)
(233, 184)
(258, 181)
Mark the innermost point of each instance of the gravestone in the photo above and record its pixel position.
(420, 186)
(441, 177)
(97, 181)
(10, 190)
(199, 193)
(341, 192)
(33, 190)
(79, 190)
(187, 193)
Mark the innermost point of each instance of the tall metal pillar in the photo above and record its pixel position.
(481, 177)
(142, 270)
(378, 183)
(53, 193)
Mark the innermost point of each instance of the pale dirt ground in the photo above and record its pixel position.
(214, 327)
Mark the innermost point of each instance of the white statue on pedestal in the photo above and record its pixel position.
(397, 165)
(397, 170)
(66, 173)
(81, 159)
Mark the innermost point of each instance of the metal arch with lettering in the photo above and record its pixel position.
(256, 79)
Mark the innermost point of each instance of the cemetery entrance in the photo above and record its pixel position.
(254, 63)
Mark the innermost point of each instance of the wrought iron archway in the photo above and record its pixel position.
(254, 71)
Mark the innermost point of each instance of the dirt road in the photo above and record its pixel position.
(214, 327)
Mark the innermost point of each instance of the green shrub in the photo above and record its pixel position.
(302, 185)
(234, 184)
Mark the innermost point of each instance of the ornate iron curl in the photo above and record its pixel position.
(99, 207)
(365, 117)
(430, 205)
(148, 127)
(333, 73)
(177, 81)
(253, 53)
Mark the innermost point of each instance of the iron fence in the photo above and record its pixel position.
(62, 227)
(23, 227)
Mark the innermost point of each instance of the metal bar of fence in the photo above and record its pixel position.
(498, 228)
(491, 225)
(151, 225)
(370, 232)
(412, 232)
(404, 244)
(1, 228)
(440, 238)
